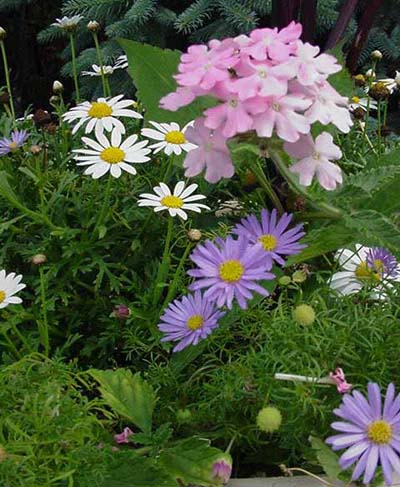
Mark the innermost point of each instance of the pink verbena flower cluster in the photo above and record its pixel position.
(269, 81)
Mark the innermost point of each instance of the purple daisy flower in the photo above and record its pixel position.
(383, 263)
(370, 433)
(229, 269)
(17, 140)
(272, 234)
(189, 320)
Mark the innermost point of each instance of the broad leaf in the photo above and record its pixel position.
(128, 395)
(341, 81)
(328, 460)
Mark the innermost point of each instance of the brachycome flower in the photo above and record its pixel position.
(230, 269)
(171, 137)
(68, 24)
(113, 155)
(97, 71)
(101, 115)
(17, 140)
(369, 433)
(9, 286)
(189, 320)
(374, 268)
(181, 199)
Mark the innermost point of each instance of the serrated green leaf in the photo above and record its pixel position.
(128, 395)
(328, 459)
(152, 70)
(372, 179)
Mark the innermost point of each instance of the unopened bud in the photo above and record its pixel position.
(183, 415)
(58, 87)
(3, 33)
(39, 259)
(194, 235)
(299, 276)
(222, 469)
(376, 55)
(358, 113)
(93, 26)
(370, 74)
(284, 281)
(269, 419)
(35, 149)
(41, 117)
(54, 100)
(122, 312)
(304, 314)
(359, 80)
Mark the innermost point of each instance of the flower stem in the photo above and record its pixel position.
(326, 209)
(74, 68)
(301, 470)
(11, 345)
(172, 287)
(7, 75)
(44, 327)
(106, 203)
(379, 127)
(106, 87)
(163, 267)
(267, 187)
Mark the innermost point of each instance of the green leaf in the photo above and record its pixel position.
(128, 395)
(328, 459)
(152, 70)
(371, 180)
(341, 81)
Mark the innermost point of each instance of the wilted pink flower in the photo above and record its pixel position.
(211, 155)
(124, 436)
(339, 379)
(222, 470)
(311, 66)
(314, 159)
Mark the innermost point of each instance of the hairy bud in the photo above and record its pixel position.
(269, 419)
(39, 259)
(304, 314)
(194, 235)
(376, 55)
(93, 26)
(58, 87)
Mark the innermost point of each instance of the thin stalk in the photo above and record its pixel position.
(168, 168)
(13, 348)
(379, 127)
(106, 203)
(172, 287)
(44, 148)
(101, 64)
(21, 337)
(267, 187)
(385, 112)
(44, 329)
(328, 210)
(74, 68)
(310, 475)
(163, 267)
(365, 136)
(7, 75)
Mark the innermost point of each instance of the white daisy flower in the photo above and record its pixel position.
(10, 285)
(357, 102)
(372, 267)
(107, 70)
(114, 156)
(69, 24)
(101, 114)
(392, 84)
(122, 62)
(172, 138)
(175, 202)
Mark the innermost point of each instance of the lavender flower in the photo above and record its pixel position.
(17, 140)
(370, 433)
(383, 263)
(230, 269)
(273, 235)
(222, 470)
(189, 320)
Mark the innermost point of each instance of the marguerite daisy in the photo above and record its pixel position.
(68, 24)
(98, 71)
(115, 155)
(362, 103)
(101, 114)
(172, 138)
(9, 285)
(175, 202)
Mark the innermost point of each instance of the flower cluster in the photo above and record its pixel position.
(269, 81)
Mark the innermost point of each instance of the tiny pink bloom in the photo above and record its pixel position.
(339, 379)
(211, 154)
(222, 471)
(311, 66)
(124, 436)
(181, 97)
(281, 113)
(314, 159)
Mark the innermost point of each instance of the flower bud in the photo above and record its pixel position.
(299, 276)
(93, 26)
(379, 91)
(194, 235)
(39, 259)
(249, 179)
(284, 281)
(3, 33)
(358, 113)
(54, 100)
(376, 55)
(183, 415)
(222, 469)
(35, 149)
(58, 87)
(359, 80)
(41, 117)
(370, 74)
(122, 312)
(304, 314)
(269, 419)
(4, 97)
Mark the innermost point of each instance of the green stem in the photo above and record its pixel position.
(168, 168)
(21, 337)
(11, 345)
(163, 267)
(44, 328)
(364, 140)
(267, 187)
(385, 112)
(44, 149)
(328, 210)
(74, 68)
(379, 127)
(101, 64)
(172, 287)
(7, 75)
(106, 203)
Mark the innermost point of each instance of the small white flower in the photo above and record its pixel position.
(172, 138)
(101, 114)
(10, 285)
(174, 202)
(68, 24)
(357, 102)
(107, 70)
(114, 156)
(122, 62)
(392, 84)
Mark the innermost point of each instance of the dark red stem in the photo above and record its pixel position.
(346, 12)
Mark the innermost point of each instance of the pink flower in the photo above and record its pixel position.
(124, 436)
(311, 67)
(314, 159)
(339, 379)
(177, 99)
(222, 470)
(205, 67)
(212, 154)
(281, 113)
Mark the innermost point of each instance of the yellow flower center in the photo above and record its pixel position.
(195, 322)
(13, 146)
(175, 137)
(2, 296)
(231, 271)
(172, 201)
(112, 155)
(268, 241)
(380, 432)
(99, 110)
(355, 99)
(363, 271)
